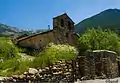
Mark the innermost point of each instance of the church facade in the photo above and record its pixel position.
(62, 33)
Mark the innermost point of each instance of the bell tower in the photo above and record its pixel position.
(64, 28)
(63, 21)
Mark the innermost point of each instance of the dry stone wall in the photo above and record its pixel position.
(98, 64)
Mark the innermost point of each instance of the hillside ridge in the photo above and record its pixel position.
(109, 18)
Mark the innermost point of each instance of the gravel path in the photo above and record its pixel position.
(115, 80)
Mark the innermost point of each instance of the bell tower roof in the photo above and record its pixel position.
(64, 15)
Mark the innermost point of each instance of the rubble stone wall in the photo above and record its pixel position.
(100, 64)
(97, 64)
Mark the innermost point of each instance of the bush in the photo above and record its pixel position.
(61, 52)
(55, 53)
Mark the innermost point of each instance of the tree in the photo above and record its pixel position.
(98, 39)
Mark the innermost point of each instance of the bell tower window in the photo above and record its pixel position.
(67, 35)
(69, 25)
(62, 22)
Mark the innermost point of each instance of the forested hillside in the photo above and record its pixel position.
(107, 19)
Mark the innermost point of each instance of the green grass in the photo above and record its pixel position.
(15, 62)
(7, 49)
(12, 61)
(13, 66)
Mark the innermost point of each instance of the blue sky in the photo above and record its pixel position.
(37, 14)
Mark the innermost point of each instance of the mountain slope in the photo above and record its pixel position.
(107, 19)
(7, 31)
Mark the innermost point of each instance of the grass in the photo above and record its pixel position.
(12, 61)
(15, 62)
(13, 66)
(7, 49)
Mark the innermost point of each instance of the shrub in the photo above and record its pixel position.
(61, 52)
(54, 53)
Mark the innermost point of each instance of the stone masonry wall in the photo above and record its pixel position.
(98, 64)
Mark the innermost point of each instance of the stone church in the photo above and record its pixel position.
(62, 33)
(99, 63)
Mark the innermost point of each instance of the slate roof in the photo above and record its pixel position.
(26, 37)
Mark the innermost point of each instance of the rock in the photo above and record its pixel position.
(43, 70)
(101, 77)
(15, 76)
(63, 64)
(40, 70)
(69, 62)
(32, 76)
(63, 61)
(78, 81)
(56, 73)
(65, 67)
(67, 73)
(38, 75)
(70, 70)
(45, 75)
(84, 78)
(28, 77)
(60, 72)
(32, 71)
(22, 76)
(54, 68)
(60, 61)
(25, 73)
(47, 68)
(14, 80)
(5, 78)
(29, 81)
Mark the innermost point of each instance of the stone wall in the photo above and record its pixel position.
(97, 64)
(38, 41)
(106, 63)
(60, 71)
(100, 64)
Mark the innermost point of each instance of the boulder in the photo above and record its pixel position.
(32, 71)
